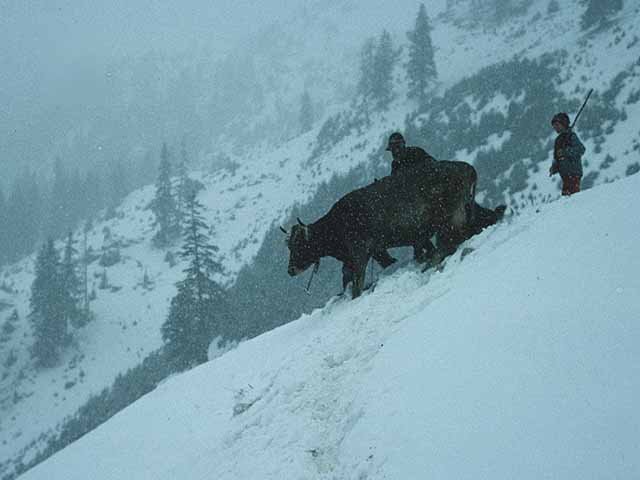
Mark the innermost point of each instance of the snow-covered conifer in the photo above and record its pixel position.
(164, 204)
(306, 112)
(599, 11)
(384, 61)
(421, 67)
(48, 307)
(192, 320)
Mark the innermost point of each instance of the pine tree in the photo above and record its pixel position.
(421, 68)
(71, 285)
(48, 307)
(85, 273)
(198, 251)
(367, 56)
(191, 323)
(553, 7)
(104, 281)
(599, 11)
(117, 184)
(9, 326)
(164, 204)
(93, 193)
(59, 215)
(16, 222)
(24, 215)
(502, 9)
(306, 113)
(384, 61)
(5, 227)
(183, 185)
(146, 282)
(76, 197)
(33, 211)
(449, 6)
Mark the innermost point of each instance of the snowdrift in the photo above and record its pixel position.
(520, 361)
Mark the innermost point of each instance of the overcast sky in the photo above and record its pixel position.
(53, 53)
(41, 37)
(45, 44)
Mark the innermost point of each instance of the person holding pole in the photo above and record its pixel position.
(567, 152)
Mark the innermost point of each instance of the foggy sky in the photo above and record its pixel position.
(45, 43)
(40, 36)
(55, 85)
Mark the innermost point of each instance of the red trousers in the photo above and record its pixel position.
(570, 185)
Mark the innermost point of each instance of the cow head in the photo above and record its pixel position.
(301, 254)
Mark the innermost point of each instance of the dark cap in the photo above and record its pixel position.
(395, 138)
(561, 118)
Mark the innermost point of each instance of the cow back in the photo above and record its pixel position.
(398, 208)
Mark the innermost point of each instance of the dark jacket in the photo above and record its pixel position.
(567, 155)
(411, 156)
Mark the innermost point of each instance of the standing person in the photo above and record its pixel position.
(403, 156)
(567, 155)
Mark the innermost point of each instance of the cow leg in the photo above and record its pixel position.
(485, 217)
(471, 207)
(423, 250)
(383, 257)
(347, 277)
(359, 255)
(447, 242)
(357, 285)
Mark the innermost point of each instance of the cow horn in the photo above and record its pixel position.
(300, 222)
(283, 230)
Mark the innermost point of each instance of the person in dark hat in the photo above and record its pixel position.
(403, 156)
(567, 155)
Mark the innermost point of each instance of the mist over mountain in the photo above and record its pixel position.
(88, 84)
(267, 114)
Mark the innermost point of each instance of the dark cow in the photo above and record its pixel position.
(405, 209)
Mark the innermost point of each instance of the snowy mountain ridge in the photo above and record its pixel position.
(244, 202)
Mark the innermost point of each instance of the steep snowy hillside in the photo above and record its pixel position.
(497, 90)
(241, 206)
(498, 117)
(519, 361)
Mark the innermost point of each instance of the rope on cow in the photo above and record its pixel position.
(315, 269)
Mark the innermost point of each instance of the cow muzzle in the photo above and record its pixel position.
(293, 270)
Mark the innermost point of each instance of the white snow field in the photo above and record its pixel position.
(520, 361)
(242, 204)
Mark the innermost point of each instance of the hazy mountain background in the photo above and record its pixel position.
(96, 97)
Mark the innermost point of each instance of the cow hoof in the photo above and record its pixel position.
(437, 263)
(466, 252)
(389, 262)
(427, 266)
(422, 258)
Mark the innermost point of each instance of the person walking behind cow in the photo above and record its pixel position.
(567, 155)
(403, 156)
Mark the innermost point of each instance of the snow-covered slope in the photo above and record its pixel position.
(241, 206)
(244, 202)
(519, 361)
